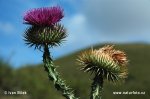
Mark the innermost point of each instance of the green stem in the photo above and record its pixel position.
(53, 75)
(97, 86)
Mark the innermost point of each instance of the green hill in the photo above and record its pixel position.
(33, 79)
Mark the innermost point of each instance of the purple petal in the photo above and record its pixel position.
(45, 16)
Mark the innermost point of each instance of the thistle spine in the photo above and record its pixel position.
(53, 75)
(96, 88)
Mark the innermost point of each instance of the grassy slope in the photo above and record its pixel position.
(35, 81)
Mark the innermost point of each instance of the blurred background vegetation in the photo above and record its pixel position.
(34, 80)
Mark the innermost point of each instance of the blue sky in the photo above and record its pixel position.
(88, 22)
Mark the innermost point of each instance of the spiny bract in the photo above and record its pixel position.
(38, 36)
(105, 62)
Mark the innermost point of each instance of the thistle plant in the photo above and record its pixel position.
(45, 32)
(105, 63)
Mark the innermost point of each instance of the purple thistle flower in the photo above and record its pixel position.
(45, 16)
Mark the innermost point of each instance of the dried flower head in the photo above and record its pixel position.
(105, 62)
(117, 55)
(45, 16)
(38, 36)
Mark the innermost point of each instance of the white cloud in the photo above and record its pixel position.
(109, 21)
(79, 35)
(6, 27)
(75, 26)
(118, 16)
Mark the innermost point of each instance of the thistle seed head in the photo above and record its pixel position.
(105, 62)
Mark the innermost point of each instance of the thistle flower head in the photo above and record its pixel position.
(105, 62)
(38, 36)
(45, 16)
